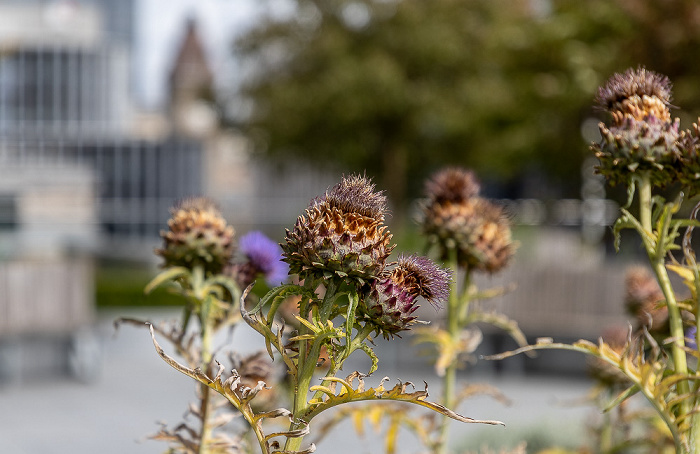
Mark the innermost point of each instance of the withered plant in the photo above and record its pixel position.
(345, 291)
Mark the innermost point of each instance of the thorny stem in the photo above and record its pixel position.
(454, 313)
(656, 257)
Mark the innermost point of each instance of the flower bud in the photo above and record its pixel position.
(198, 236)
(392, 299)
(341, 234)
(455, 217)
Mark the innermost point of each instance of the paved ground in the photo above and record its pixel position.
(48, 412)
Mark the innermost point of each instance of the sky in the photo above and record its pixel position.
(160, 27)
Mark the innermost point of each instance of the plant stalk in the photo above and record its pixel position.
(205, 356)
(656, 257)
(454, 311)
(306, 366)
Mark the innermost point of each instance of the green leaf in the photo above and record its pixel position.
(624, 395)
(168, 275)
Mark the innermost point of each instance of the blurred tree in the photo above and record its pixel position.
(401, 87)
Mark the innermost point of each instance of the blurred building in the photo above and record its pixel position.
(76, 176)
(66, 108)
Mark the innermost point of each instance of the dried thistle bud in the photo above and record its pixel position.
(637, 146)
(263, 258)
(478, 229)
(198, 236)
(688, 169)
(638, 93)
(392, 299)
(452, 184)
(642, 298)
(642, 136)
(341, 234)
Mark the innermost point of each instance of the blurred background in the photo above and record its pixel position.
(112, 110)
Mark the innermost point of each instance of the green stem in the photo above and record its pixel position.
(656, 258)
(206, 358)
(306, 366)
(454, 314)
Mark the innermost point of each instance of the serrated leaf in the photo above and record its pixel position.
(398, 393)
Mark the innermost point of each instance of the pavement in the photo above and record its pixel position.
(128, 389)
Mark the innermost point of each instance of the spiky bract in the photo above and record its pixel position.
(392, 299)
(341, 234)
(637, 92)
(198, 236)
(688, 170)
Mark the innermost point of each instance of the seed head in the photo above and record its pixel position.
(638, 93)
(642, 138)
(452, 184)
(341, 234)
(478, 229)
(198, 236)
(688, 167)
(642, 297)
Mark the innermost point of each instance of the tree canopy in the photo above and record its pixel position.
(398, 88)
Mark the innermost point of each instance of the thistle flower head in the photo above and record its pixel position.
(688, 170)
(341, 234)
(198, 236)
(452, 184)
(642, 137)
(642, 295)
(355, 194)
(638, 93)
(263, 257)
(392, 299)
(478, 229)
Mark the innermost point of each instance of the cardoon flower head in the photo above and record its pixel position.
(688, 170)
(638, 93)
(392, 298)
(198, 236)
(455, 217)
(642, 136)
(263, 257)
(642, 297)
(453, 184)
(341, 234)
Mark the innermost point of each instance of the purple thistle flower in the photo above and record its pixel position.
(264, 257)
(690, 335)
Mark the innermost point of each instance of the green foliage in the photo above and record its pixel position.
(495, 85)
